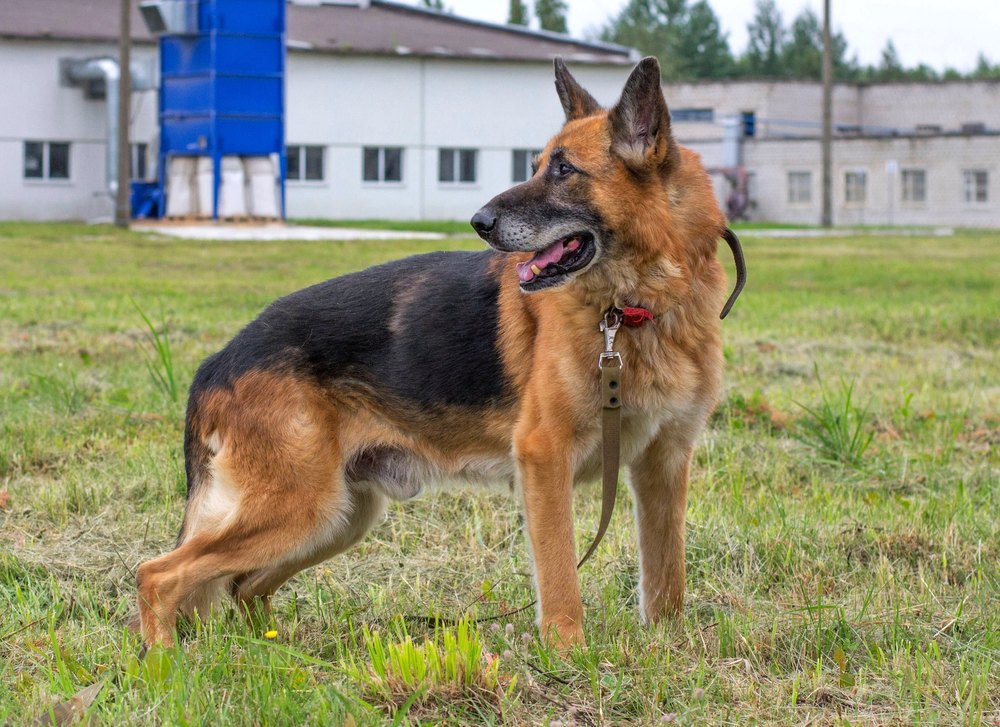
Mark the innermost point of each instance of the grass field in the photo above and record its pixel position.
(842, 564)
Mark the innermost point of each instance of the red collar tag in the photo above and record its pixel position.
(635, 317)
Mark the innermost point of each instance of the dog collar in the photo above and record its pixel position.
(633, 317)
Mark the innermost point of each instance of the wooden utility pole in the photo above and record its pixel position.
(122, 211)
(827, 220)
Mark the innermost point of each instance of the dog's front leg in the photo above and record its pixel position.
(547, 486)
(659, 482)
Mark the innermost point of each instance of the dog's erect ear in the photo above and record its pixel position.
(640, 121)
(576, 102)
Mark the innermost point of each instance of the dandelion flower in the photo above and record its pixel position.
(271, 634)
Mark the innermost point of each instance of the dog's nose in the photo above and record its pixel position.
(484, 221)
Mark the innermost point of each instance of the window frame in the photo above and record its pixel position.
(972, 175)
(798, 174)
(46, 158)
(529, 157)
(458, 156)
(301, 157)
(908, 185)
(380, 165)
(692, 115)
(861, 174)
(138, 160)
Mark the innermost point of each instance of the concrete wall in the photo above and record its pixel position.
(943, 158)
(422, 105)
(38, 108)
(794, 107)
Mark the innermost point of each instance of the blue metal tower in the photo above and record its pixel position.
(222, 82)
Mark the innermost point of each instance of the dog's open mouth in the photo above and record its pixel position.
(553, 264)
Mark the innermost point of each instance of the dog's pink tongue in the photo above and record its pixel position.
(552, 254)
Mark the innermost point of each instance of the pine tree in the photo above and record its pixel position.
(890, 67)
(802, 56)
(518, 14)
(766, 46)
(701, 47)
(551, 15)
(688, 40)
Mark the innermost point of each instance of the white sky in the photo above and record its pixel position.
(937, 32)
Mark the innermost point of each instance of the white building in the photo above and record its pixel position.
(903, 153)
(391, 111)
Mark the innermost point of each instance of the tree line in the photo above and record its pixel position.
(687, 37)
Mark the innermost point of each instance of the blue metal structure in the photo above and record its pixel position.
(222, 85)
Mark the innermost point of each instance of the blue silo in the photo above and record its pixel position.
(222, 83)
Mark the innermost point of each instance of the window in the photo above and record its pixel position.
(748, 119)
(382, 164)
(976, 185)
(521, 161)
(855, 187)
(305, 163)
(138, 161)
(457, 165)
(46, 160)
(799, 187)
(914, 185)
(694, 115)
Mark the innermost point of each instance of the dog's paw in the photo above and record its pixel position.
(563, 634)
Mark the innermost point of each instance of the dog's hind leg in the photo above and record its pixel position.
(274, 496)
(366, 506)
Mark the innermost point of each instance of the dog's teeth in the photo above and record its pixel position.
(536, 270)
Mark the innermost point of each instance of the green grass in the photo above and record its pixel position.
(819, 592)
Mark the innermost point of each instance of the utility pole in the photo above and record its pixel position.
(827, 220)
(122, 207)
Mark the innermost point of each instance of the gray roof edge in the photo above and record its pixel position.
(630, 53)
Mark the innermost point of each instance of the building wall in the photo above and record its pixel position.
(346, 103)
(944, 160)
(39, 109)
(422, 105)
(795, 107)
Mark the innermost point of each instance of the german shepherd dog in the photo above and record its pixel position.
(471, 366)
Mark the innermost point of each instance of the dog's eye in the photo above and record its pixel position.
(564, 169)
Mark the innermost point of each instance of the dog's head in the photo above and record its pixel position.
(598, 189)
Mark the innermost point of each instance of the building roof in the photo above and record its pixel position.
(363, 27)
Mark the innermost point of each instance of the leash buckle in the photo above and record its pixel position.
(610, 324)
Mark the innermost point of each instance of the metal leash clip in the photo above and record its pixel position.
(609, 326)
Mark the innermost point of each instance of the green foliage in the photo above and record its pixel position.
(766, 43)
(454, 659)
(985, 71)
(687, 39)
(803, 52)
(518, 13)
(551, 15)
(435, 5)
(837, 428)
(159, 357)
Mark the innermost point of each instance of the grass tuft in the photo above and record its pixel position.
(837, 429)
(159, 357)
